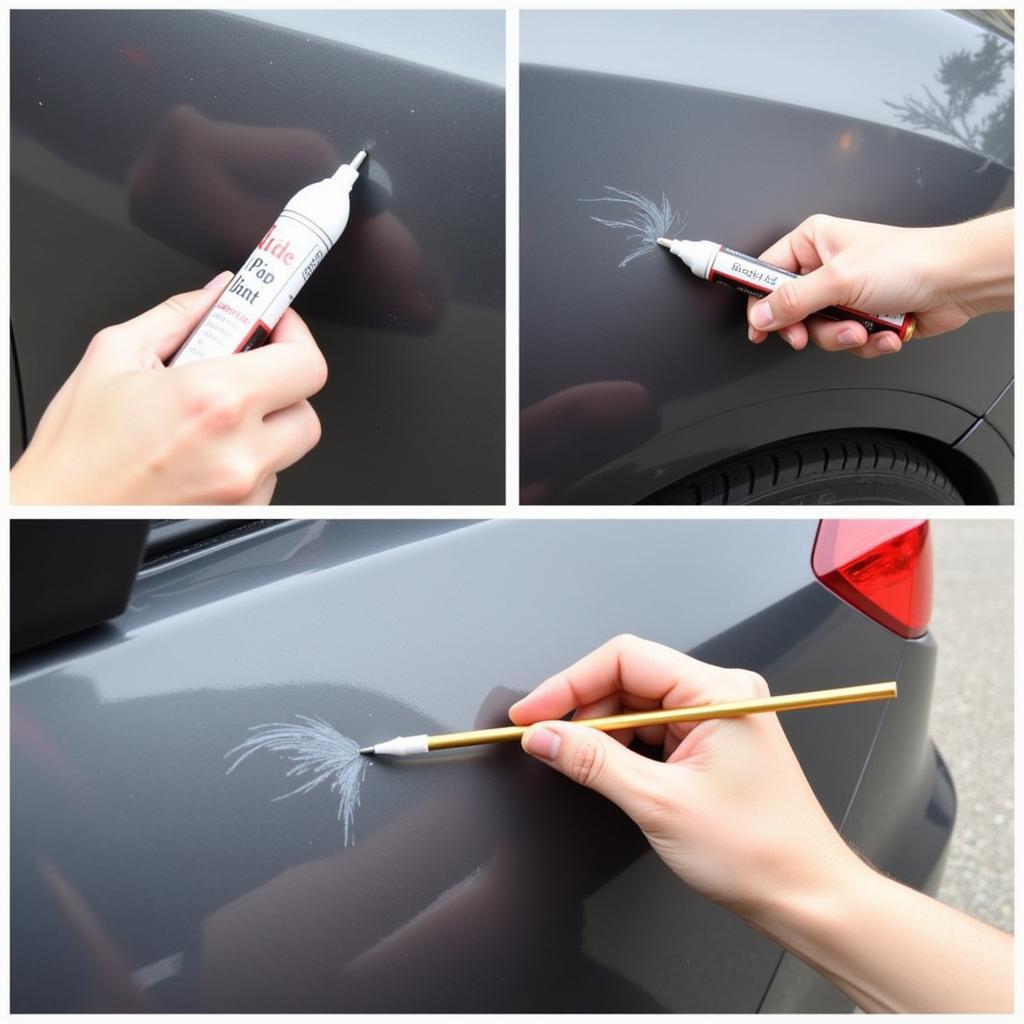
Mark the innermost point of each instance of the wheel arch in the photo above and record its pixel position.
(934, 425)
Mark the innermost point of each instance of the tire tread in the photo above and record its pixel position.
(752, 477)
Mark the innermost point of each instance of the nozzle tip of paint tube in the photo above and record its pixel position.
(667, 242)
(366, 750)
(347, 174)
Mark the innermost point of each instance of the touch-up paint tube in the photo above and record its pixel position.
(257, 296)
(714, 262)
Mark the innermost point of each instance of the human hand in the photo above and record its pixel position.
(125, 429)
(944, 275)
(729, 811)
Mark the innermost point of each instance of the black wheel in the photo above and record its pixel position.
(848, 468)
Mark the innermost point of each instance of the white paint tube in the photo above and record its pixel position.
(257, 296)
(714, 262)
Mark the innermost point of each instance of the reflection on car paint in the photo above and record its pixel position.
(215, 205)
(314, 748)
(645, 220)
(160, 970)
(966, 78)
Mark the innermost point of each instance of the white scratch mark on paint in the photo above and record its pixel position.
(644, 221)
(314, 748)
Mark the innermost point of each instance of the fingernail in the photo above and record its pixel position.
(761, 315)
(888, 344)
(542, 743)
(750, 334)
(848, 338)
(218, 281)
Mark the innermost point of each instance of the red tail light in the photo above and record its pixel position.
(883, 567)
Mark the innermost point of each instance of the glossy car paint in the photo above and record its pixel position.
(152, 149)
(747, 121)
(478, 880)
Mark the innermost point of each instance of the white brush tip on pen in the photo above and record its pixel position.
(400, 746)
(667, 242)
(356, 162)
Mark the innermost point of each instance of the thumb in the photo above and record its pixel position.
(160, 331)
(593, 759)
(796, 299)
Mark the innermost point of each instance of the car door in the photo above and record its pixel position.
(152, 149)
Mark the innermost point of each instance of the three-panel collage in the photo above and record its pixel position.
(446, 564)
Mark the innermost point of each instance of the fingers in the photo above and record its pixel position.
(246, 464)
(158, 333)
(753, 334)
(885, 343)
(627, 666)
(796, 336)
(289, 434)
(812, 249)
(280, 374)
(287, 370)
(596, 761)
(617, 703)
(797, 253)
(782, 254)
(837, 336)
(800, 252)
(610, 705)
(852, 336)
(795, 299)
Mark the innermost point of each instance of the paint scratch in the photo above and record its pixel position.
(314, 748)
(644, 221)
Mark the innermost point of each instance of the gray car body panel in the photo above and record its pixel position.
(478, 880)
(683, 388)
(984, 444)
(1000, 415)
(137, 172)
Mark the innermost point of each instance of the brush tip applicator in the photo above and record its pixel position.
(400, 746)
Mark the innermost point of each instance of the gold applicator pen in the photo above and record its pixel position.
(405, 746)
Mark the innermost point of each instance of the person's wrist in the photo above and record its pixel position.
(974, 264)
(819, 888)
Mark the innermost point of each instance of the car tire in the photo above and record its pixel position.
(848, 468)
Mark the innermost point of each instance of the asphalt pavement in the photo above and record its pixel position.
(972, 710)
